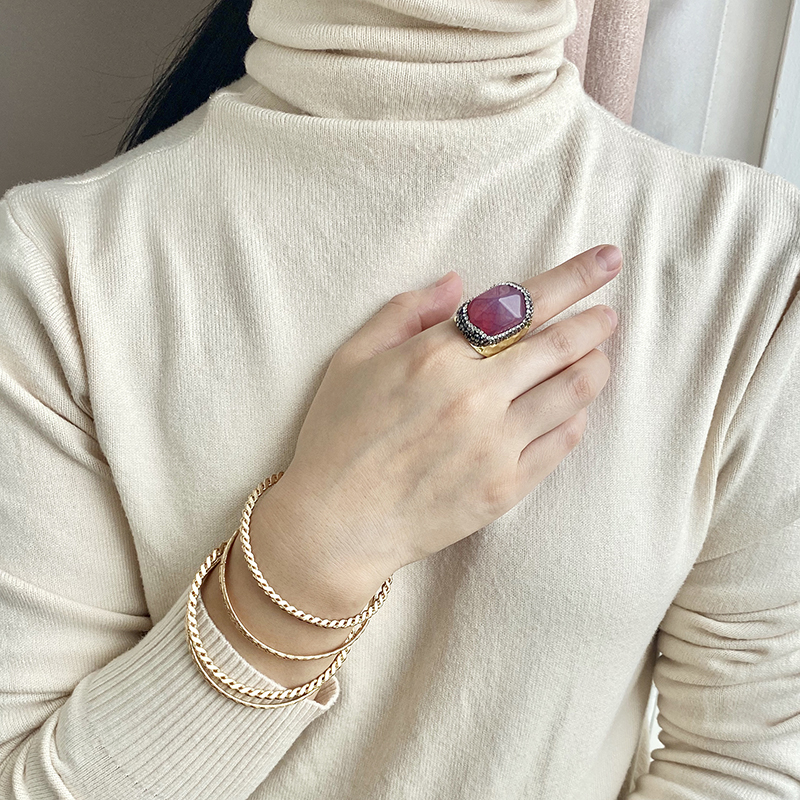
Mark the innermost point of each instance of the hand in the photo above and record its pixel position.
(414, 440)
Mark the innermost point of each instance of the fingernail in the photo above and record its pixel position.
(609, 257)
(444, 278)
(612, 315)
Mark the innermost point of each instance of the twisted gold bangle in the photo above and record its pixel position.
(354, 634)
(244, 531)
(208, 668)
(222, 690)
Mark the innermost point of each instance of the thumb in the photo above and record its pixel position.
(408, 314)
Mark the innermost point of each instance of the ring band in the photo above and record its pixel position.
(496, 318)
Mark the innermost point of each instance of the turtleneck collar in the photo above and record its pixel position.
(406, 59)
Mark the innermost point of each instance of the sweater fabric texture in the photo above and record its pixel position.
(165, 321)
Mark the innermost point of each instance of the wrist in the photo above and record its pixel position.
(300, 561)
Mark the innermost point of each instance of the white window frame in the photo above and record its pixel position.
(781, 152)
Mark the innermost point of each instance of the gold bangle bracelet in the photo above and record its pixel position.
(222, 690)
(354, 634)
(208, 668)
(244, 535)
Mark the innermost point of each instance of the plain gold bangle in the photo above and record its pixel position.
(210, 670)
(244, 535)
(354, 634)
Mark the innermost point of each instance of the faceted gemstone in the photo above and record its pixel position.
(497, 309)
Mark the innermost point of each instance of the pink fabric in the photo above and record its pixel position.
(606, 46)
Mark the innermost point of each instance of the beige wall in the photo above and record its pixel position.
(70, 74)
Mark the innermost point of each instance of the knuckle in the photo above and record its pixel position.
(404, 300)
(461, 406)
(495, 494)
(573, 430)
(605, 320)
(582, 386)
(500, 476)
(541, 301)
(585, 266)
(560, 341)
(492, 495)
(604, 365)
(410, 321)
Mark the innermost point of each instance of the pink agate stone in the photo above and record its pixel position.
(496, 310)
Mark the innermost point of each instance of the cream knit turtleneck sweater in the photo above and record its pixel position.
(167, 318)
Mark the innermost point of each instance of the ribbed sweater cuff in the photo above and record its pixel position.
(148, 725)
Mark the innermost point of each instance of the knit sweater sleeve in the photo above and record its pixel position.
(97, 700)
(728, 672)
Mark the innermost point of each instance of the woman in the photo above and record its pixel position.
(240, 295)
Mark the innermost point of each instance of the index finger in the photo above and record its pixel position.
(561, 287)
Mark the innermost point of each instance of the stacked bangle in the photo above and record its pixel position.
(354, 634)
(244, 536)
(215, 676)
(222, 682)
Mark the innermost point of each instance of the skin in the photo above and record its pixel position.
(396, 461)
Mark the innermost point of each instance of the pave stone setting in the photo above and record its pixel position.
(501, 312)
